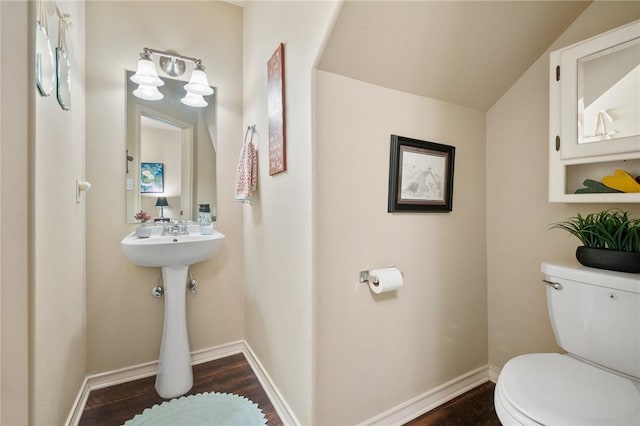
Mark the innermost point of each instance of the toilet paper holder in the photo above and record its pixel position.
(364, 277)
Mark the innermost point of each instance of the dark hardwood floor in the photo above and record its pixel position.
(116, 404)
(473, 408)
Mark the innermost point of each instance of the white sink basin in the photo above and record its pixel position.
(171, 250)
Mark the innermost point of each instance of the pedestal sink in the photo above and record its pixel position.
(174, 254)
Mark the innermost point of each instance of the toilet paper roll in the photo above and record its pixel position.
(389, 279)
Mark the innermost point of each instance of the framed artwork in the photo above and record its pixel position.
(151, 178)
(420, 176)
(276, 112)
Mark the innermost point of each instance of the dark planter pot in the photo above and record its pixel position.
(613, 260)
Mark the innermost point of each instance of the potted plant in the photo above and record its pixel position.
(143, 231)
(610, 238)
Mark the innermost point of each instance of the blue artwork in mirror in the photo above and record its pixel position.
(151, 177)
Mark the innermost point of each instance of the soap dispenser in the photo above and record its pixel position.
(204, 216)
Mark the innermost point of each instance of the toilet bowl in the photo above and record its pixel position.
(595, 316)
(554, 389)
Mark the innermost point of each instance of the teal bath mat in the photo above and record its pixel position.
(222, 409)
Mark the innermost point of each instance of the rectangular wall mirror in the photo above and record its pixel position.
(182, 139)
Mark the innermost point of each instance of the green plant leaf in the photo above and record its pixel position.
(612, 229)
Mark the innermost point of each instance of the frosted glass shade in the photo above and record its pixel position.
(198, 84)
(194, 100)
(146, 74)
(148, 93)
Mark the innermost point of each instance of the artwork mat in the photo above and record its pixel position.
(416, 165)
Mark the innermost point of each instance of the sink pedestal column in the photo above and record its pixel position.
(175, 375)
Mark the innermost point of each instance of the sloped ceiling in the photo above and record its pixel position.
(464, 52)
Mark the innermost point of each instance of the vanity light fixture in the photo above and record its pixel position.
(172, 64)
(146, 73)
(194, 100)
(198, 85)
(147, 92)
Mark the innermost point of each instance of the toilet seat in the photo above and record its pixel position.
(554, 389)
(507, 413)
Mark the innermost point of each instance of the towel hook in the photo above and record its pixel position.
(251, 129)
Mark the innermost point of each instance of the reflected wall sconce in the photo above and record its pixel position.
(146, 77)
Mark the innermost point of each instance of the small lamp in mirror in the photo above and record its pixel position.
(162, 203)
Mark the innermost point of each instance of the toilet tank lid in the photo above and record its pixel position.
(600, 277)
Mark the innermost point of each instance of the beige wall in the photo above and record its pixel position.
(278, 227)
(518, 213)
(15, 97)
(58, 357)
(375, 352)
(124, 321)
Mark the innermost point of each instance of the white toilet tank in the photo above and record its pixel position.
(596, 314)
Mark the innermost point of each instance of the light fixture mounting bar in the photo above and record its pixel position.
(151, 51)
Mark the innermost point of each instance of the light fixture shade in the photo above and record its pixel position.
(146, 73)
(162, 202)
(148, 93)
(194, 100)
(198, 85)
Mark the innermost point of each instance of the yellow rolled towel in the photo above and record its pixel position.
(622, 181)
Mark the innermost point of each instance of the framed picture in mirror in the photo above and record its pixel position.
(151, 178)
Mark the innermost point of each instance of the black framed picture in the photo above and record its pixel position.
(420, 176)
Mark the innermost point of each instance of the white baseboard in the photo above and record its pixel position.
(494, 373)
(140, 371)
(419, 405)
(282, 408)
(78, 405)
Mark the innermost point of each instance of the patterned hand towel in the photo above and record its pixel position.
(247, 172)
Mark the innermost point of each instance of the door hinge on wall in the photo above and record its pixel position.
(558, 73)
(557, 143)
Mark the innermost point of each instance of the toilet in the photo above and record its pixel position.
(595, 316)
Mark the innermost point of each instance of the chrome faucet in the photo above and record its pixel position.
(175, 228)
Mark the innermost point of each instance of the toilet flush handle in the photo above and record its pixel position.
(556, 286)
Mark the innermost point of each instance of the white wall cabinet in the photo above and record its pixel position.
(594, 120)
